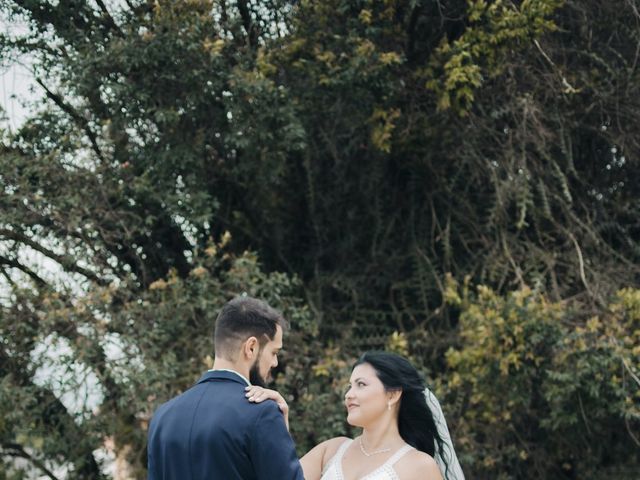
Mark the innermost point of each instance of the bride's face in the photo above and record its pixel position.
(366, 399)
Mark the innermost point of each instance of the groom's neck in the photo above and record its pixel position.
(224, 364)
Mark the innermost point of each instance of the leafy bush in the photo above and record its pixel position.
(541, 392)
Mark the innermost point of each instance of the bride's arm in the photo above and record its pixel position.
(312, 462)
(315, 459)
(417, 465)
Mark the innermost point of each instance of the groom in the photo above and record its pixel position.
(211, 431)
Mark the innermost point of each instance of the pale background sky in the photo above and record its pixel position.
(15, 84)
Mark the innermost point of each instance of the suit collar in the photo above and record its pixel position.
(224, 375)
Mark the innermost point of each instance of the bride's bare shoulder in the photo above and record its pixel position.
(314, 462)
(325, 450)
(332, 445)
(417, 465)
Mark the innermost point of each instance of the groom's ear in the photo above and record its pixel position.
(250, 348)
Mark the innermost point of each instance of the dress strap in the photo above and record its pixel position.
(399, 454)
(337, 457)
(343, 448)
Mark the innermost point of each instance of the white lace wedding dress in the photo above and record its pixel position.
(333, 470)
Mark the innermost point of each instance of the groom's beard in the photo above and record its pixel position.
(254, 375)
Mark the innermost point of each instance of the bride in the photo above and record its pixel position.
(400, 438)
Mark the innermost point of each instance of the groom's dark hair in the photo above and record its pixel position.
(241, 318)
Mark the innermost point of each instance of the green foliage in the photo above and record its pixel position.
(315, 379)
(540, 390)
(495, 29)
(359, 150)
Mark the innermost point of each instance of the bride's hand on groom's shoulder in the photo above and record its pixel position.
(257, 394)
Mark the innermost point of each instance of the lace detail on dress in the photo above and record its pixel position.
(333, 469)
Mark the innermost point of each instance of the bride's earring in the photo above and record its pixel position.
(389, 405)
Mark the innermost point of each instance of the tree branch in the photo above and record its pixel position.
(79, 119)
(16, 450)
(55, 417)
(249, 24)
(109, 19)
(583, 277)
(411, 32)
(15, 264)
(64, 261)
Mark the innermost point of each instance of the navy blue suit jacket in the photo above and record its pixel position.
(212, 431)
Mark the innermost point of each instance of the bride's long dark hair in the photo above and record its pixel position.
(415, 421)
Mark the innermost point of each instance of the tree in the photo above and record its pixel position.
(364, 149)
